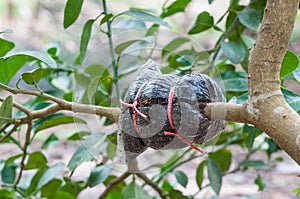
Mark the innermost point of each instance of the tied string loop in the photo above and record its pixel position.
(135, 111)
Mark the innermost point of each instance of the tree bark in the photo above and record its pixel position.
(266, 107)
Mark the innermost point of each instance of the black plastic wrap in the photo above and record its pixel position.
(192, 93)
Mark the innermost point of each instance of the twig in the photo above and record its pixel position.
(25, 147)
(9, 133)
(162, 194)
(113, 183)
(110, 113)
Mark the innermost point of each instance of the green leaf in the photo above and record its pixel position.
(296, 74)
(177, 6)
(78, 135)
(200, 174)
(90, 147)
(8, 173)
(33, 77)
(253, 163)
(116, 189)
(273, 147)
(129, 24)
(134, 191)
(43, 57)
(297, 191)
(85, 37)
(235, 51)
(49, 189)
(36, 160)
(176, 194)
(73, 187)
(6, 46)
(106, 18)
(72, 11)
(250, 18)
(50, 174)
(10, 66)
(123, 46)
(222, 158)
(6, 110)
(214, 175)
(144, 16)
(203, 22)
(181, 178)
(250, 133)
(289, 64)
(174, 44)
(99, 175)
(52, 139)
(260, 183)
(58, 120)
(7, 194)
(62, 195)
(293, 99)
(236, 84)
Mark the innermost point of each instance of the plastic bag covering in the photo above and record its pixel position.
(191, 94)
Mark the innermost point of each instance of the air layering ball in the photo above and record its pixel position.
(166, 112)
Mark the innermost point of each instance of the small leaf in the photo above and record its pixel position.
(43, 57)
(235, 51)
(222, 158)
(58, 120)
(134, 191)
(90, 147)
(106, 18)
(33, 77)
(72, 11)
(50, 188)
(174, 44)
(297, 191)
(6, 46)
(203, 22)
(181, 178)
(253, 163)
(144, 16)
(236, 84)
(250, 18)
(250, 133)
(78, 135)
(52, 139)
(177, 6)
(36, 160)
(214, 175)
(289, 64)
(85, 37)
(10, 66)
(129, 24)
(6, 110)
(176, 194)
(293, 99)
(8, 173)
(50, 174)
(99, 175)
(73, 187)
(260, 183)
(200, 174)
(123, 46)
(7, 194)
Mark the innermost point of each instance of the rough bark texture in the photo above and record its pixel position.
(266, 107)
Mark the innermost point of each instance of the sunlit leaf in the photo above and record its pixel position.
(6, 110)
(10, 66)
(222, 158)
(129, 24)
(203, 22)
(36, 160)
(50, 188)
(106, 18)
(33, 77)
(177, 6)
(72, 11)
(6, 46)
(289, 64)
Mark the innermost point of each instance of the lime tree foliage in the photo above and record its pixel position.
(29, 174)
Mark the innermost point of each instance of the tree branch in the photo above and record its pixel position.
(113, 183)
(162, 194)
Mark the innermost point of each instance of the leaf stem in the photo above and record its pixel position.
(112, 54)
